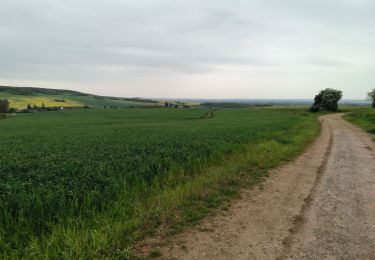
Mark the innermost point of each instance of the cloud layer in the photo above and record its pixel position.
(174, 48)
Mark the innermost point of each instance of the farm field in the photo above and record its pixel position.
(88, 183)
(21, 97)
(21, 101)
(100, 103)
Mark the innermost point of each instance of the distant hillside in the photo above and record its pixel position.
(265, 102)
(36, 91)
(20, 97)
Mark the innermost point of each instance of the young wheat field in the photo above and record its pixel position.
(88, 183)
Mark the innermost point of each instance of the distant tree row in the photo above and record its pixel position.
(35, 107)
(179, 105)
(5, 108)
(166, 104)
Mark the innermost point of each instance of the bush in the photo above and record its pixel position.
(371, 97)
(314, 108)
(4, 105)
(327, 99)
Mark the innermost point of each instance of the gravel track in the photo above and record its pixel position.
(320, 206)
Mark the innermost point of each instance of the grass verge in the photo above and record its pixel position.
(363, 117)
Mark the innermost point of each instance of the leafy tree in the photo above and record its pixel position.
(314, 108)
(4, 105)
(166, 104)
(28, 107)
(327, 99)
(371, 97)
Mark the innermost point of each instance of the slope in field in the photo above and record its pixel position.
(20, 97)
(22, 101)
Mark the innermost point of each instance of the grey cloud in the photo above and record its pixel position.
(322, 61)
(66, 40)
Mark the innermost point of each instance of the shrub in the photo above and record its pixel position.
(4, 105)
(327, 99)
(371, 97)
(314, 108)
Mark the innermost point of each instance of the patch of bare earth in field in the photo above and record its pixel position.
(320, 206)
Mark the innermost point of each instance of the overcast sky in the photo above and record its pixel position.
(190, 48)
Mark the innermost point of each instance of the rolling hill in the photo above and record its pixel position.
(20, 97)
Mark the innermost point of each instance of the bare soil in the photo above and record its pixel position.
(320, 206)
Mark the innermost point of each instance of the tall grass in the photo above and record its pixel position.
(89, 183)
(363, 117)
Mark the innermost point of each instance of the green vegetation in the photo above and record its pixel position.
(363, 117)
(88, 183)
(28, 91)
(155, 254)
(4, 106)
(371, 97)
(101, 102)
(21, 102)
(20, 97)
(327, 100)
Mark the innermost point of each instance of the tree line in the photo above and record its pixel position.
(5, 108)
(327, 99)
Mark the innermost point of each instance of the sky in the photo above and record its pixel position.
(191, 48)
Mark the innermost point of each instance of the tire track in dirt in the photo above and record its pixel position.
(300, 219)
(340, 221)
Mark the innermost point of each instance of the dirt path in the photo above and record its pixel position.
(320, 206)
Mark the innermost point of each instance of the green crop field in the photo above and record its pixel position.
(363, 117)
(88, 183)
